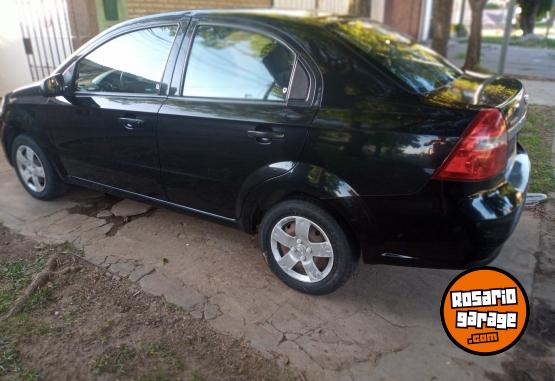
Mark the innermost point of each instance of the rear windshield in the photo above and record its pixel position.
(418, 67)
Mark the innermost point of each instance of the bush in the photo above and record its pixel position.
(460, 30)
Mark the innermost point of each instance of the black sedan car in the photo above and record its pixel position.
(334, 138)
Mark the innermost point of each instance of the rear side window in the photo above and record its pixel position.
(227, 62)
(131, 63)
(415, 65)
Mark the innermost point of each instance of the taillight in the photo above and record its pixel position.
(481, 153)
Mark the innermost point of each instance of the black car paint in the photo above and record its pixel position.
(361, 143)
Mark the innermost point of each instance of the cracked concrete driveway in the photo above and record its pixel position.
(383, 324)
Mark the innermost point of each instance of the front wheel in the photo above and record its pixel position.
(306, 247)
(34, 169)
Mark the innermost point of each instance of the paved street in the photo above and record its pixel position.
(383, 324)
(540, 93)
(521, 61)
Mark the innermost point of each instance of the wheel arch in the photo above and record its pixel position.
(35, 132)
(314, 184)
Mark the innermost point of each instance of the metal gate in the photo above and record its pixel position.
(46, 34)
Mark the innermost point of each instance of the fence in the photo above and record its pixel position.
(46, 34)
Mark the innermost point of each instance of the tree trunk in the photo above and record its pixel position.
(533, 15)
(460, 29)
(528, 16)
(550, 21)
(475, 40)
(441, 25)
(359, 8)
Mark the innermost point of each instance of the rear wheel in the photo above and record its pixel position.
(35, 170)
(306, 247)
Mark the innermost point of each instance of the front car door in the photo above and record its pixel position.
(107, 132)
(236, 113)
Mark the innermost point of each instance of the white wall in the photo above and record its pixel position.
(341, 7)
(295, 4)
(332, 6)
(425, 20)
(14, 71)
(377, 10)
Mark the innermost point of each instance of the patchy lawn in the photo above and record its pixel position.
(537, 138)
(91, 325)
(548, 43)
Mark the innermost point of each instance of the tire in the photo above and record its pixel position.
(290, 259)
(28, 159)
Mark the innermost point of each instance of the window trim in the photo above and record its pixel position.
(117, 35)
(298, 63)
(188, 44)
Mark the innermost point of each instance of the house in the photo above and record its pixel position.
(35, 37)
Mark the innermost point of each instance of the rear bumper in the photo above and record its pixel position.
(446, 231)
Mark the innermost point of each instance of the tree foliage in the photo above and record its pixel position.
(530, 11)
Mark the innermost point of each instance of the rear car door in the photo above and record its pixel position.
(107, 132)
(244, 104)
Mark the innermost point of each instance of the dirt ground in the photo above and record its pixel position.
(91, 325)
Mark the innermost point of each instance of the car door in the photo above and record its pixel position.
(237, 113)
(107, 135)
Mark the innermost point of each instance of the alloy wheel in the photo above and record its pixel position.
(302, 249)
(30, 168)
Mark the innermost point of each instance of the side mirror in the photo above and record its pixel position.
(53, 86)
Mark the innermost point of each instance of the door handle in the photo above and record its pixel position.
(130, 123)
(265, 137)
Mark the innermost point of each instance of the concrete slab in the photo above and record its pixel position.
(129, 208)
(541, 92)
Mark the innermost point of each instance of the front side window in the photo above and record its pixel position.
(227, 62)
(131, 63)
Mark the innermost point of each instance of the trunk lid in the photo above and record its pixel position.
(476, 91)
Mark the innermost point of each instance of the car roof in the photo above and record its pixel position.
(260, 12)
(272, 16)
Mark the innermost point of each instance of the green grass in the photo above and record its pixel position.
(14, 277)
(13, 271)
(537, 138)
(37, 299)
(7, 297)
(24, 325)
(518, 41)
(115, 360)
(492, 6)
(164, 360)
(164, 354)
(9, 359)
(10, 364)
